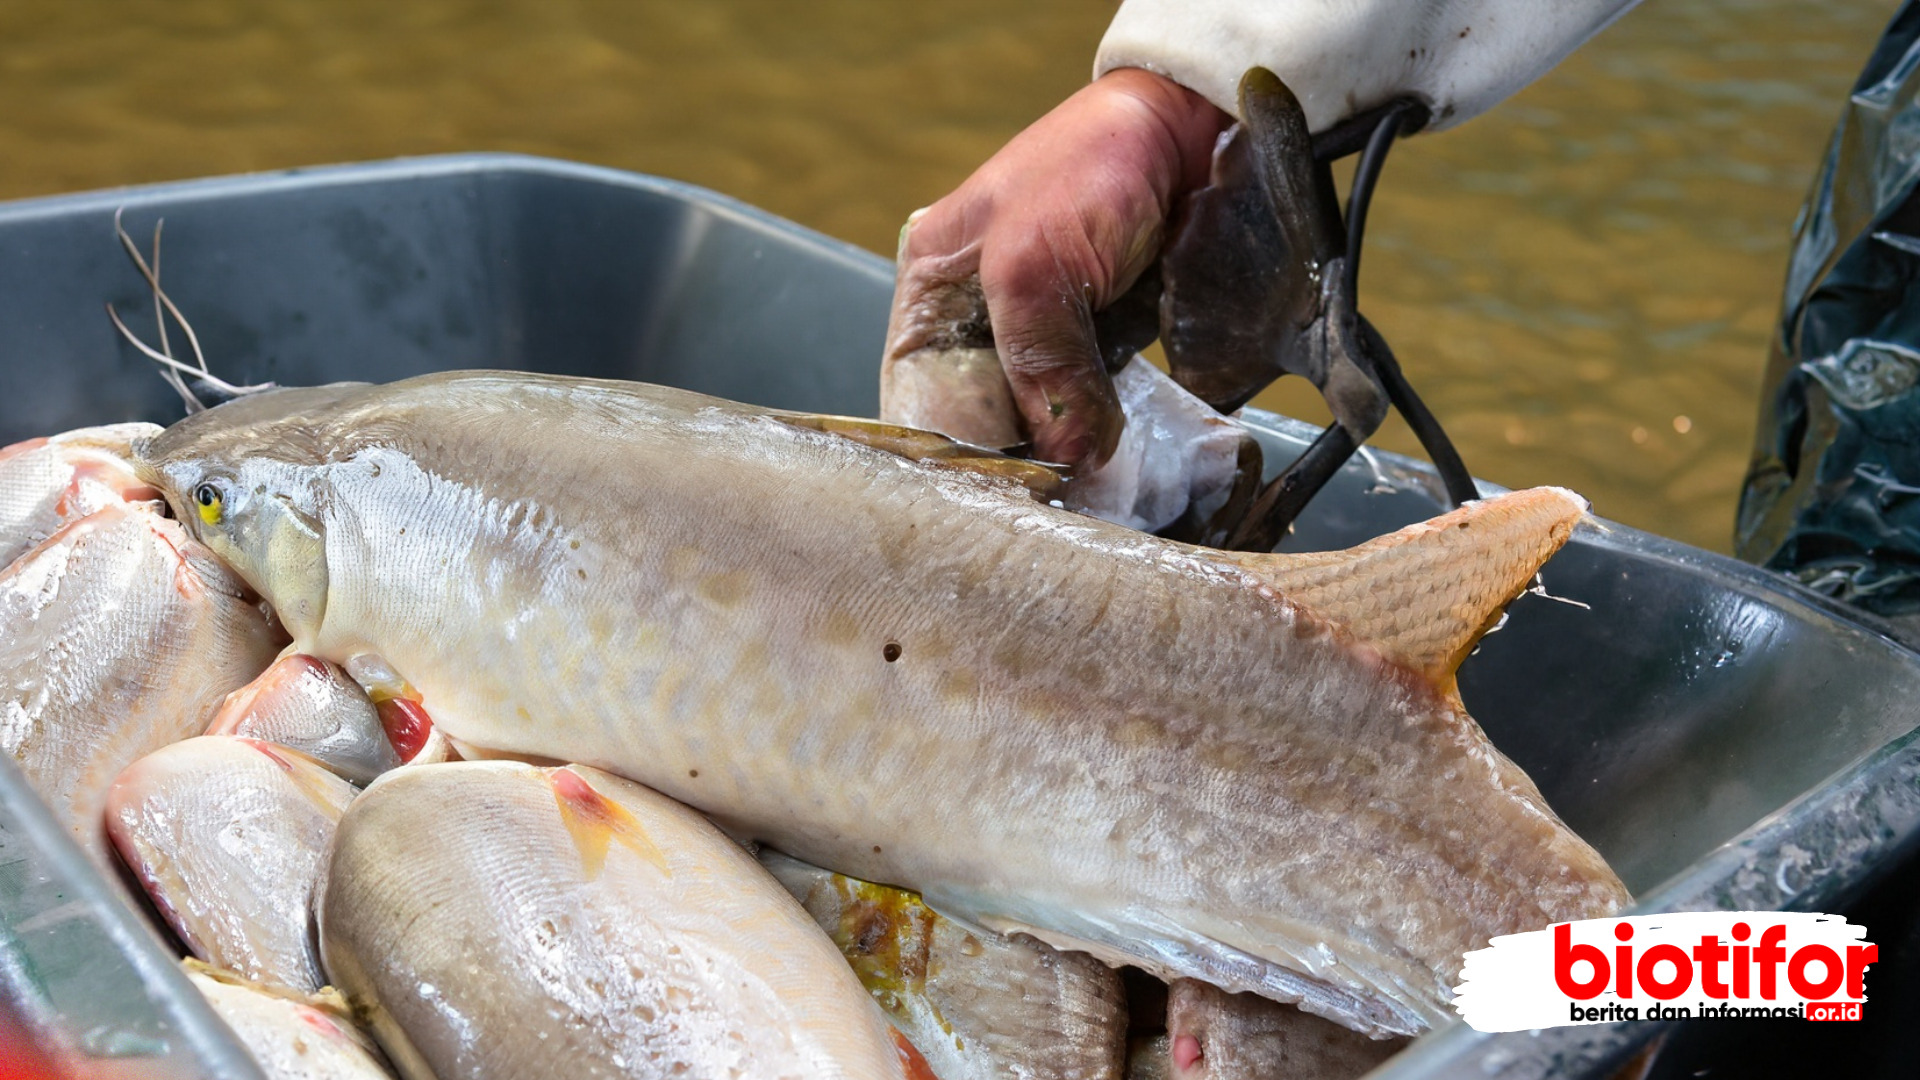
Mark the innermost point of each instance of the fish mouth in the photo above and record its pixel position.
(151, 475)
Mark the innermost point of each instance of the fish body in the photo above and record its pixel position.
(498, 920)
(1214, 1035)
(289, 1038)
(977, 1005)
(229, 836)
(46, 483)
(1246, 769)
(118, 635)
(311, 706)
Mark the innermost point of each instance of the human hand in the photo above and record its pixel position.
(1053, 228)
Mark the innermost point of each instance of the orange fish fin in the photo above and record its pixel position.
(912, 1065)
(594, 821)
(1426, 595)
(933, 448)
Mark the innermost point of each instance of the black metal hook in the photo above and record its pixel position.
(1280, 503)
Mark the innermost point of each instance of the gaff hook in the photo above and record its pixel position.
(1262, 280)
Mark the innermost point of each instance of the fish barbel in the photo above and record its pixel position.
(498, 921)
(118, 635)
(1247, 769)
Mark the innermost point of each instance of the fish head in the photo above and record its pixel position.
(246, 480)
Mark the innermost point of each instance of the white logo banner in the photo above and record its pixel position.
(1687, 965)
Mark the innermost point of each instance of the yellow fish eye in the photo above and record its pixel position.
(208, 498)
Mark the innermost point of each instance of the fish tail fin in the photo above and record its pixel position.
(1426, 595)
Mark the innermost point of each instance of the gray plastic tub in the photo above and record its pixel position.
(1726, 739)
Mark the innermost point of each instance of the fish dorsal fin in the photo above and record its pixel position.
(933, 448)
(1426, 594)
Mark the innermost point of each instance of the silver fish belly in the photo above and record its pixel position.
(290, 1039)
(229, 836)
(311, 706)
(118, 635)
(499, 921)
(46, 483)
(1250, 770)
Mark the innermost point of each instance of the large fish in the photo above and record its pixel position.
(118, 635)
(1247, 769)
(229, 836)
(46, 483)
(497, 921)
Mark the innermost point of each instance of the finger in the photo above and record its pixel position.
(1043, 328)
(936, 294)
(940, 370)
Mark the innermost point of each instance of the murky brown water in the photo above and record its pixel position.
(1581, 283)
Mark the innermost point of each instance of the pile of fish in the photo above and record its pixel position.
(502, 725)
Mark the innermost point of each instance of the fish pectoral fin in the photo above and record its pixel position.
(932, 448)
(595, 821)
(1426, 595)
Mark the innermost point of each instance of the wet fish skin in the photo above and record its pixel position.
(229, 836)
(1214, 1035)
(1147, 1058)
(311, 706)
(581, 925)
(977, 1006)
(46, 483)
(1247, 769)
(288, 1038)
(118, 635)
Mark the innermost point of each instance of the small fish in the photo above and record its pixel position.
(291, 1037)
(1249, 769)
(46, 483)
(978, 1005)
(118, 635)
(311, 706)
(229, 836)
(496, 920)
(1214, 1035)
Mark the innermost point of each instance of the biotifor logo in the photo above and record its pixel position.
(1691, 965)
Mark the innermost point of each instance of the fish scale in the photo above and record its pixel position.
(580, 925)
(953, 688)
(118, 635)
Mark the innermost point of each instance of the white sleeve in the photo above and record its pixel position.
(1342, 57)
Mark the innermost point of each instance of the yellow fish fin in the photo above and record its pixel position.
(933, 448)
(1426, 595)
(593, 820)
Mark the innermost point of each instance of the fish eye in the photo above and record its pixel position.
(208, 498)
